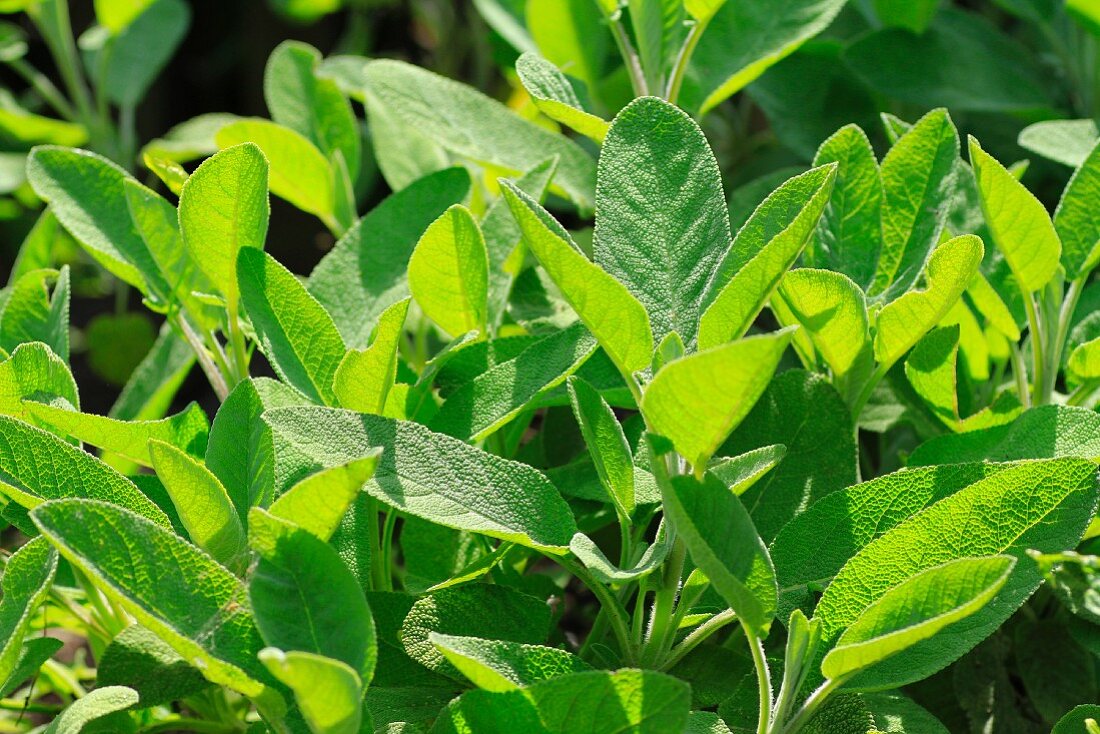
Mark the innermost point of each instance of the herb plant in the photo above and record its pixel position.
(824, 466)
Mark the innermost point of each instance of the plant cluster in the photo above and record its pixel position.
(815, 458)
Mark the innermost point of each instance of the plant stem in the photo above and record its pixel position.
(14, 704)
(683, 59)
(664, 604)
(630, 56)
(58, 36)
(608, 604)
(763, 681)
(45, 88)
(809, 708)
(1037, 358)
(696, 637)
(1019, 373)
(213, 374)
(387, 549)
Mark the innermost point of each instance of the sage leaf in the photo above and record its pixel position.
(1076, 222)
(364, 377)
(607, 444)
(556, 96)
(449, 273)
(319, 502)
(502, 665)
(328, 692)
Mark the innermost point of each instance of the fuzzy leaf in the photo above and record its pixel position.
(329, 693)
(364, 377)
(1076, 220)
(319, 502)
(606, 443)
(449, 273)
(97, 704)
(556, 97)
(28, 574)
(501, 665)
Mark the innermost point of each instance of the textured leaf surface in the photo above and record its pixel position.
(319, 502)
(28, 574)
(36, 466)
(296, 332)
(662, 227)
(501, 665)
(698, 400)
(364, 274)
(186, 430)
(491, 399)
(224, 208)
(764, 249)
(615, 317)
(1020, 225)
(832, 310)
(33, 371)
(607, 444)
(1066, 141)
(97, 704)
(1076, 220)
(556, 97)
(473, 126)
(328, 692)
(364, 376)
(449, 273)
(916, 610)
(171, 587)
(137, 658)
(1043, 505)
(435, 477)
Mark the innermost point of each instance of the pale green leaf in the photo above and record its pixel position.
(97, 704)
(556, 97)
(1019, 223)
(948, 272)
(473, 126)
(698, 400)
(916, 610)
(28, 574)
(433, 476)
(615, 317)
(319, 502)
(34, 372)
(1066, 141)
(493, 398)
(186, 430)
(137, 54)
(663, 227)
(31, 313)
(572, 35)
(224, 209)
(703, 10)
(203, 506)
(1076, 220)
(364, 376)
(763, 251)
(501, 665)
(832, 310)
(607, 444)
(115, 15)
(169, 586)
(449, 273)
(604, 571)
(299, 172)
(329, 693)
(295, 331)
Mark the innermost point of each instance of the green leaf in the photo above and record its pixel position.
(849, 233)
(435, 477)
(460, 610)
(449, 273)
(84, 191)
(202, 503)
(329, 693)
(556, 96)
(31, 314)
(311, 105)
(186, 430)
(816, 544)
(154, 382)
(832, 310)
(364, 274)
(319, 502)
(34, 372)
(662, 227)
(115, 15)
(28, 574)
(743, 40)
(572, 35)
(190, 139)
(916, 610)
(698, 400)
(169, 586)
(502, 665)
(1056, 671)
(723, 543)
(923, 161)
(1043, 505)
(138, 53)
(913, 15)
(137, 658)
(305, 599)
(614, 316)
(607, 444)
(1050, 431)
(97, 704)
(1019, 223)
(961, 62)
(490, 400)
(764, 250)
(931, 369)
(1068, 142)
(895, 714)
(1074, 721)
(948, 272)
(703, 10)
(295, 331)
(37, 466)
(588, 553)
(1076, 222)
(224, 209)
(364, 377)
(299, 172)
(473, 126)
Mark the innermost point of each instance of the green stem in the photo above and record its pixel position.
(696, 637)
(59, 38)
(237, 344)
(1080, 397)
(183, 724)
(387, 549)
(214, 375)
(45, 88)
(1019, 373)
(868, 388)
(763, 681)
(664, 604)
(683, 59)
(630, 56)
(608, 604)
(1057, 346)
(1037, 354)
(809, 708)
(14, 704)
